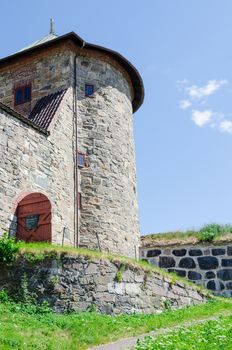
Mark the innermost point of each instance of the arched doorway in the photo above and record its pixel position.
(34, 218)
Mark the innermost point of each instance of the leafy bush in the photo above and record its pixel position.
(209, 232)
(4, 297)
(8, 249)
(119, 274)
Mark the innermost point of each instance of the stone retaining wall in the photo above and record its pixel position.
(78, 283)
(204, 264)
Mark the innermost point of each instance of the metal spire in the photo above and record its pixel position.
(52, 29)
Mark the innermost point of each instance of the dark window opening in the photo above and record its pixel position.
(81, 160)
(22, 94)
(89, 90)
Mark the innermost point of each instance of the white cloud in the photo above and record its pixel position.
(201, 118)
(226, 126)
(184, 104)
(199, 92)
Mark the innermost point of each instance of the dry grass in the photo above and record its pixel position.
(37, 252)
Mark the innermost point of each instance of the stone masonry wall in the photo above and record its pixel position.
(76, 283)
(109, 213)
(33, 162)
(47, 72)
(204, 264)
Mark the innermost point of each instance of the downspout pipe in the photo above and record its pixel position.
(76, 180)
(76, 173)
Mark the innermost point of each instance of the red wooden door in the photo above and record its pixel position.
(34, 218)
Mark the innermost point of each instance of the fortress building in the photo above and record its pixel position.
(67, 169)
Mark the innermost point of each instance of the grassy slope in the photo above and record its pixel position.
(21, 330)
(211, 233)
(214, 335)
(38, 251)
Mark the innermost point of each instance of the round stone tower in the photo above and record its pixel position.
(108, 214)
(81, 98)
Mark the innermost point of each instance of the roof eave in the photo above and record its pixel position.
(136, 79)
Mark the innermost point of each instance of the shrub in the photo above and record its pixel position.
(8, 249)
(119, 274)
(4, 297)
(209, 232)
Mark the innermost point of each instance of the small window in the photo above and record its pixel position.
(89, 90)
(81, 160)
(79, 200)
(22, 94)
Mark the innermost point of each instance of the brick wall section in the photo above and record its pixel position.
(207, 265)
(77, 283)
(33, 162)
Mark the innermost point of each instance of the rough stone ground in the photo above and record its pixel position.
(129, 343)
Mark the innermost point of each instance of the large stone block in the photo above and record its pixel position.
(166, 262)
(195, 252)
(193, 276)
(224, 274)
(226, 262)
(208, 262)
(187, 263)
(218, 251)
(153, 252)
(209, 274)
(179, 252)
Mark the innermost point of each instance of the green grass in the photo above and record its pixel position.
(214, 335)
(23, 329)
(208, 233)
(36, 252)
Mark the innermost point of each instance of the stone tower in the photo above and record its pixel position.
(82, 97)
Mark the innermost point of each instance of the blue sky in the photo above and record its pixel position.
(183, 132)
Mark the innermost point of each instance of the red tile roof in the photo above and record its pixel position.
(23, 119)
(45, 109)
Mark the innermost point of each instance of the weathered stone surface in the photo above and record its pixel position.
(195, 252)
(229, 250)
(193, 276)
(187, 263)
(153, 252)
(218, 251)
(224, 274)
(77, 291)
(179, 252)
(34, 162)
(166, 262)
(229, 285)
(210, 274)
(208, 262)
(226, 262)
(211, 285)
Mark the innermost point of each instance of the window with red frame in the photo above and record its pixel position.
(81, 160)
(79, 200)
(22, 94)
